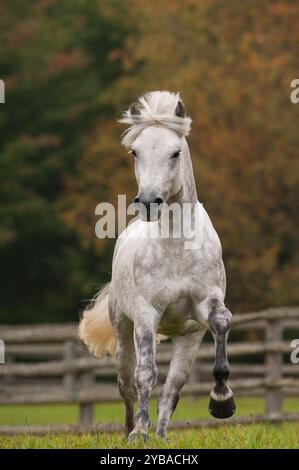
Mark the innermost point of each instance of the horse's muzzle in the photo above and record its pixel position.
(149, 209)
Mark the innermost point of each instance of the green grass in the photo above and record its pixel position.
(285, 435)
(254, 436)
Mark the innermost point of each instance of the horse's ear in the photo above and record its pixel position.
(134, 110)
(180, 109)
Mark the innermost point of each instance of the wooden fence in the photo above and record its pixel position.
(46, 364)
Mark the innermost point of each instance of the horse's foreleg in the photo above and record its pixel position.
(145, 372)
(222, 403)
(184, 354)
(125, 363)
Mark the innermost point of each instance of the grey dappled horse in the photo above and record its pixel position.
(160, 285)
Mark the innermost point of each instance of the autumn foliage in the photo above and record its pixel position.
(72, 67)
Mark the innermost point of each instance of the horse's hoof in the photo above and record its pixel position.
(135, 435)
(161, 438)
(222, 409)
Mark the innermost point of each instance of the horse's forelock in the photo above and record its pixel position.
(156, 109)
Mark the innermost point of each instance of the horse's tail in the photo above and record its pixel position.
(95, 328)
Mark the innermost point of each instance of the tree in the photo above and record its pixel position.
(57, 59)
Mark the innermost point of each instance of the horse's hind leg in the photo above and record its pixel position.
(125, 363)
(146, 369)
(222, 403)
(184, 354)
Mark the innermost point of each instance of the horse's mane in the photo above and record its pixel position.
(157, 108)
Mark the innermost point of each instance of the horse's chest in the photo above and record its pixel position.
(167, 278)
(162, 275)
(157, 260)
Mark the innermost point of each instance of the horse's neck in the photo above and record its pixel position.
(189, 187)
(188, 191)
(187, 195)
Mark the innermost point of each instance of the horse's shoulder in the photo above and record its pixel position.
(131, 232)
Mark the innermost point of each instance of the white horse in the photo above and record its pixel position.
(158, 285)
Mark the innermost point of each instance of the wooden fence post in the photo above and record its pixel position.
(86, 413)
(274, 394)
(69, 378)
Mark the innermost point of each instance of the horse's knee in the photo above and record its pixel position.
(144, 338)
(220, 318)
(146, 375)
(146, 371)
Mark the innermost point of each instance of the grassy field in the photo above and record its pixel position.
(285, 435)
(255, 436)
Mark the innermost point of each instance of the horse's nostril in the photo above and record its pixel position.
(136, 199)
(158, 200)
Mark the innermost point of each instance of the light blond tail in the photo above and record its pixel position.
(95, 328)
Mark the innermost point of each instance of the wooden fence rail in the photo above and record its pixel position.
(46, 364)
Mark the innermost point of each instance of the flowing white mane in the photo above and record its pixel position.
(156, 109)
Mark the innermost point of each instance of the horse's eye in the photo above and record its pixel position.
(133, 153)
(176, 154)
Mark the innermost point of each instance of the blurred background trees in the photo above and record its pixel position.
(72, 67)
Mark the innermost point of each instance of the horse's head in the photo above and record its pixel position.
(157, 154)
(156, 144)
